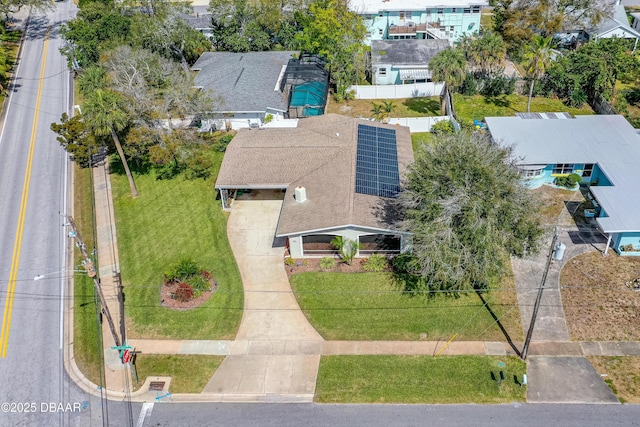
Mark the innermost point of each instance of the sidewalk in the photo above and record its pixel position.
(276, 354)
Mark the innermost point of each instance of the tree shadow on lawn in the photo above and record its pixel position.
(497, 320)
(499, 101)
(426, 106)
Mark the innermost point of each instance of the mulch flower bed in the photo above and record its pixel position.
(167, 300)
(304, 265)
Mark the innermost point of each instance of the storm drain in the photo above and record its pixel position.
(156, 385)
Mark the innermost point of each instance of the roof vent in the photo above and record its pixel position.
(301, 194)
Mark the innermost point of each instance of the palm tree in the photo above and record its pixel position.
(536, 60)
(387, 108)
(449, 66)
(377, 111)
(486, 53)
(92, 79)
(104, 115)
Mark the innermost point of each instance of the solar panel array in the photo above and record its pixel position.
(377, 162)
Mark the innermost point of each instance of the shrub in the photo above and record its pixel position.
(184, 293)
(199, 283)
(182, 270)
(443, 127)
(376, 263)
(289, 262)
(328, 263)
(574, 179)
(469, 86)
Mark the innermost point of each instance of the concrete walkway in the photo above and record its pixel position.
(560, 373)
(276, 353)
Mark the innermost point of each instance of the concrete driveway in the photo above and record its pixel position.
(276, 353)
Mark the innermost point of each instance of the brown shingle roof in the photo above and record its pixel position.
(320, 155)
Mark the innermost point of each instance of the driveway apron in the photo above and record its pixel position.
(276, 353)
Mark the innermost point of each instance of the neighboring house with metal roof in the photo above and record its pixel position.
(396, 62)
(603, 149)
(331, 169)
(246, 85)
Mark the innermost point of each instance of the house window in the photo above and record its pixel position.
(380, 31)
(467, 10)
(401, 15)
(440, 11)
(587, 171)
(476, 9)
(531, 172)
(452, 28)
(454, 10)
(380, 15)
(379, 243)
(318, 244)
(408, 14)
(382, 72)
(562, 168)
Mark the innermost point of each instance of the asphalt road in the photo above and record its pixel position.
(34, 387)
(309, 415)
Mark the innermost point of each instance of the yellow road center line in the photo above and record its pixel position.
(17, 245)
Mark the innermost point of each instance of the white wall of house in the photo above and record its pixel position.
(398, 91)
(351, 233)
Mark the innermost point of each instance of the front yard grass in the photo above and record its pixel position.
(86, 327)
(622, 375)
(404, 107)
(369, 306)
(172, 219)
(189, 373)
(419, 379)
(478, 107)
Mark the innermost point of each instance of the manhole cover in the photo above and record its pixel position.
(156, 385)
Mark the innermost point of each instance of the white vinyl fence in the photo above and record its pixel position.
(398, 91)
(418, 124)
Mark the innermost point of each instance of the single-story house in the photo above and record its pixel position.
(254, 88)
(615, 26)
(336, 173)
(603, 149)
(403, 61)
(200, 22)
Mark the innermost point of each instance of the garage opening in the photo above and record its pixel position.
(379, 243)
(318, 244)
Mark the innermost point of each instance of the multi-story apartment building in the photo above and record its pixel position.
(419, 19)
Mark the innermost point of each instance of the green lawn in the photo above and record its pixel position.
(169, 220)
(404, 107)
(419, 379)
(419, 138)
(189, 373)
(368, 306)
(86, 344)
(478, 107)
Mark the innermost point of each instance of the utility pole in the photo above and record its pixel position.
(91, 272)
(536, 306)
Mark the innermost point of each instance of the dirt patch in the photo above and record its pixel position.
(622, 375)
(598, 304)
(167, 300)
(552, 202)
